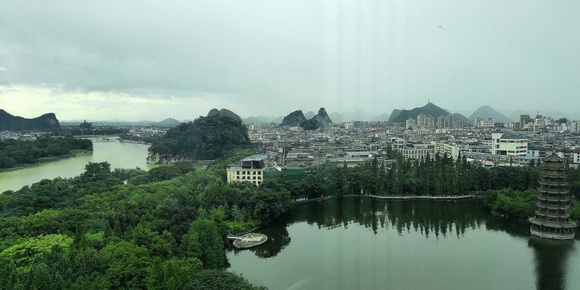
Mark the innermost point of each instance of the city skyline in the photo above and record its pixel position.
(148, 61)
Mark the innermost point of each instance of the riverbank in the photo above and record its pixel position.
(45, 160)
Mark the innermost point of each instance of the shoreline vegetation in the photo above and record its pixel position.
(509, 192)
(74, 153)
(15, 154)
(165, 228)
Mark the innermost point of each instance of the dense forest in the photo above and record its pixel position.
(206, 138)
(129, 228)
(15, 153)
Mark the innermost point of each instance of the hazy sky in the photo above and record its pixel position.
(137, 60)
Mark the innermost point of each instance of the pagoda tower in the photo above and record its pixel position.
(552, 217)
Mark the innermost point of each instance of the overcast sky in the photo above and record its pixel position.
(149, 60)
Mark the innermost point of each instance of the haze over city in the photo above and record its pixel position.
(145, 60)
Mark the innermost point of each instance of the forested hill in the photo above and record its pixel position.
(46, 122)
(206, 138)
(400, 116)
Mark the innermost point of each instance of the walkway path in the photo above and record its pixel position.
(418, 197)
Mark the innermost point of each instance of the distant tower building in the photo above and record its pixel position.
(410, 123)
(421, 120)
(86, 128)
(552, 218)
(524, 120)
(430, 122)
(458, 123)
(441, 122)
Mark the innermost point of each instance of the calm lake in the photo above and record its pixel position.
(359, 243)
(118, 154)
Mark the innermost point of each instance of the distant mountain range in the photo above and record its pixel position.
(258, 120)
(466, 121)
(46, 122)
(336, 117)
(169, 122)
(397, 115)
(489, 112)
(384, 117)
(359, 115)
(309, 115)
(400, 116)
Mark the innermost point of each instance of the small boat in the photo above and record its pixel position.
(248, 240)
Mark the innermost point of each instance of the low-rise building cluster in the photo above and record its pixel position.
(486, 142)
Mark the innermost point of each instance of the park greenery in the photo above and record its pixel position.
(129, 228)
(16, 153)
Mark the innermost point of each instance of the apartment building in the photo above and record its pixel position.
(508, 145)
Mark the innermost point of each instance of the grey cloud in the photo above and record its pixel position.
(345, 55)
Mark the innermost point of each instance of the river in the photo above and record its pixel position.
(360, 243)
(118, 154)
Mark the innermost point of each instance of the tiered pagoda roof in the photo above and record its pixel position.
(552, 217)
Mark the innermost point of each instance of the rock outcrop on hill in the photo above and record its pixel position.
(223, 112)
(46, 122)
(293, 119)
(297, 119)
(321, 120)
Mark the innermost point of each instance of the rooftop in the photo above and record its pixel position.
(256, 157)
(513, 137)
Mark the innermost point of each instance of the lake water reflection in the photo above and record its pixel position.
(357, 243)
